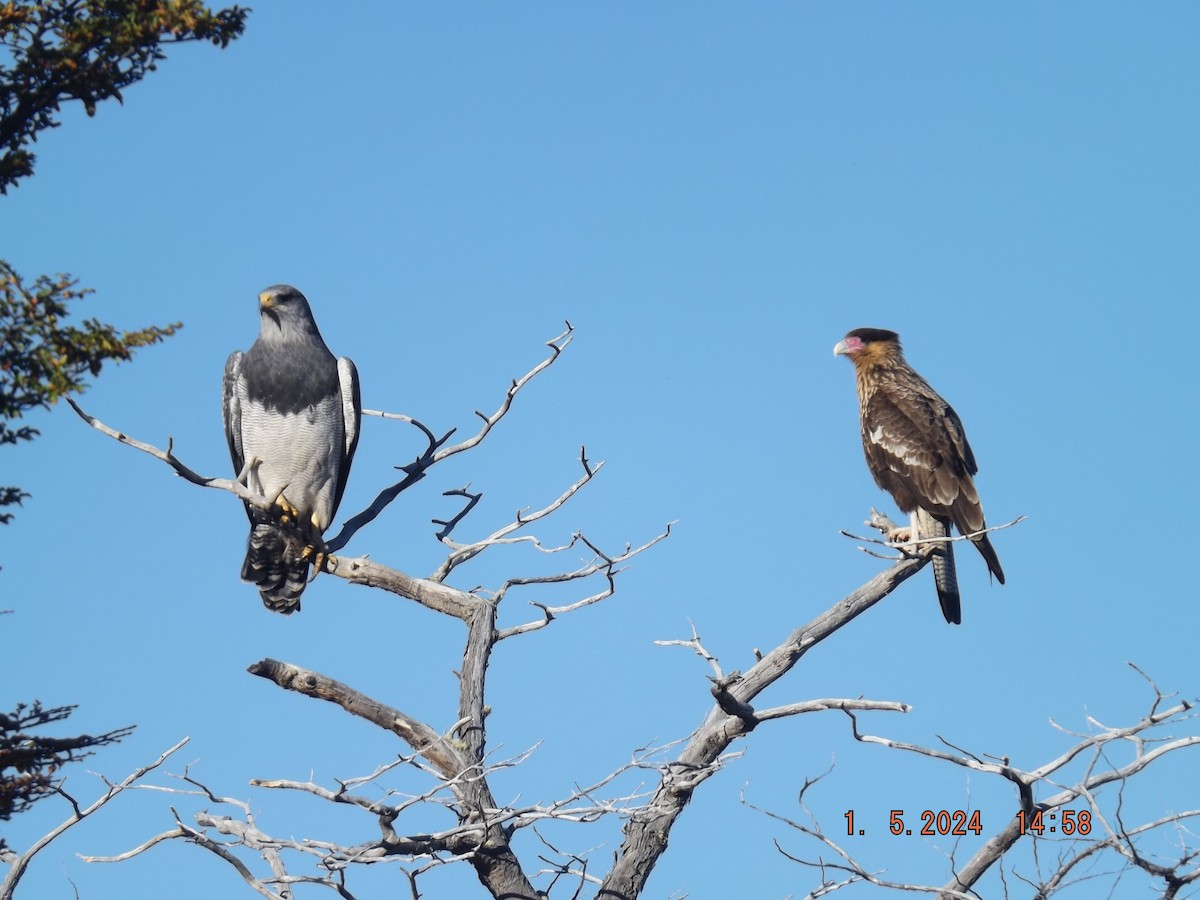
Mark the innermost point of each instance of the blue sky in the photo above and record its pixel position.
(712, 195)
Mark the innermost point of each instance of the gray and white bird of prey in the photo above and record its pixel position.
(291, 412)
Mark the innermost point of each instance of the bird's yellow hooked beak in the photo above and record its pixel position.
(266, 300)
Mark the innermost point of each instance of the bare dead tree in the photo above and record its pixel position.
(455, 764)
(458, 770)
(457, 759)
(1061, 838)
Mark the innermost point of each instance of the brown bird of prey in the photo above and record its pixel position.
(918, 452)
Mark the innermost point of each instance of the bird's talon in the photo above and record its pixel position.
(288, 512)
(318, 557)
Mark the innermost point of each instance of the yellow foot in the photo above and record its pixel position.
(318, 556)
(288, 513)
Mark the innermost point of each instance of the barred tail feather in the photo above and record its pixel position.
(945, 579)
(273, 563)
(945, 576)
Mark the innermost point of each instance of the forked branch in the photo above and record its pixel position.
(1033, 818)
(882, 523)
(461, 553)
(414, 471)
(78, 814)
(647, 834)
(435, 450)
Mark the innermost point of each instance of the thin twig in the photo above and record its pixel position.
(78, 815)
(436, 451)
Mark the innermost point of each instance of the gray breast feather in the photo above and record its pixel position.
(299, 454)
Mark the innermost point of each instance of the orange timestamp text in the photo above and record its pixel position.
(933, 822)
(960, 823)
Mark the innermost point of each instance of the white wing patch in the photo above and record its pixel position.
(348, 382)
(895, 447)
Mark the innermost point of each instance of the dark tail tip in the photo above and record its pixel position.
(984, 545)
(273, 564)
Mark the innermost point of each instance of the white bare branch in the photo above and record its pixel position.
(697, 647)
(435, 451)
(601, 564)
(461, 553)
(556, 345)
(234, 486)
(882, 523)
(822, 705)
(885, 525)
(223, 835)
(78, 814)
(1073, 828)
(430, 594)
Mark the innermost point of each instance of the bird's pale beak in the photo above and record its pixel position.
(266, 300)
(847, 346)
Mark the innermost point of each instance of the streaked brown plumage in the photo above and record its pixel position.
(918, 452)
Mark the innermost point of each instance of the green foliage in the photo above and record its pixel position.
(86, 50)
(42, 358)
(58, 51)
(29, 762)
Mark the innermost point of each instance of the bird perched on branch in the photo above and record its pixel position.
(291, 419)
(918, 452)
